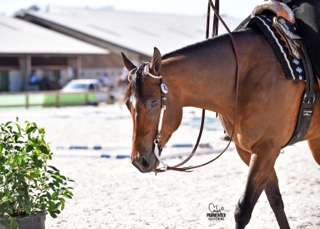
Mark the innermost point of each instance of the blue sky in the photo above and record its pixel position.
(235, 8)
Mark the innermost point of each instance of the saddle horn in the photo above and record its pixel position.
(278, 8)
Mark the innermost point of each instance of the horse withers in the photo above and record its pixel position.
(203, 75)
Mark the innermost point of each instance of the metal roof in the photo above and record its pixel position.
(21, 37)
(139, 32)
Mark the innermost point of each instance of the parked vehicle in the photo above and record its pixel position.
(96, 93)
(78, 85)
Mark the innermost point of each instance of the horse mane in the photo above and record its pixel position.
(186, 49)
(200, 45)
(134, 87)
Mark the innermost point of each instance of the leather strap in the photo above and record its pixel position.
(308, 100)
(235, 49)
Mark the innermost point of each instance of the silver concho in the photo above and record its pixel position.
(164, 88)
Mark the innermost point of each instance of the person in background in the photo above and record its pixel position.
(123, 78)
(105, 81)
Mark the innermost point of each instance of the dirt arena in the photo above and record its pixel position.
(111, 193)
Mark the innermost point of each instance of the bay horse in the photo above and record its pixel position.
(203, 75)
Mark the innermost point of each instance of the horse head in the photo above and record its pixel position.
(154, 112)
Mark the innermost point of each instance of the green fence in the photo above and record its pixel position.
(47, 99)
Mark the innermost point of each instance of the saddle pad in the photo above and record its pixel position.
(292, 67)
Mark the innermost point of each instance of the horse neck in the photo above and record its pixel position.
(203, 76)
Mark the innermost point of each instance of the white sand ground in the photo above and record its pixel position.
(111, 193)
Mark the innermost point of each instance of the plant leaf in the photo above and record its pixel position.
(29, 148)
(31, 129)
(44, 149)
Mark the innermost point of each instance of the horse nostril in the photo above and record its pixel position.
(144, 163)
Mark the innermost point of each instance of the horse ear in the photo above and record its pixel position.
(156, 61)
(129, 65)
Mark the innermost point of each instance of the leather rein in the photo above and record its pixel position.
(164, 91)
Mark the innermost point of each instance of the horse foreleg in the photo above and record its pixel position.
(272, 191)
(314, 146)
(260, 167)
(275, 199)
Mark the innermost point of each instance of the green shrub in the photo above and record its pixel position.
(28, 185)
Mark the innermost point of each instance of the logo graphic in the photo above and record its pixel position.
(215, 212)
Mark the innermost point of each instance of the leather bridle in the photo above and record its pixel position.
(164, 92)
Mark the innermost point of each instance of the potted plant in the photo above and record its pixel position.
(29, 187)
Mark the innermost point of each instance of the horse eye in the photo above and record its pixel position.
(154, 103)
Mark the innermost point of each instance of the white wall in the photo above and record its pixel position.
(15, 81)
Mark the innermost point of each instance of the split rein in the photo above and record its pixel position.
(164, 91)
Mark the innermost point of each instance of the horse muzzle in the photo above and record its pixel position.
(144, 163)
